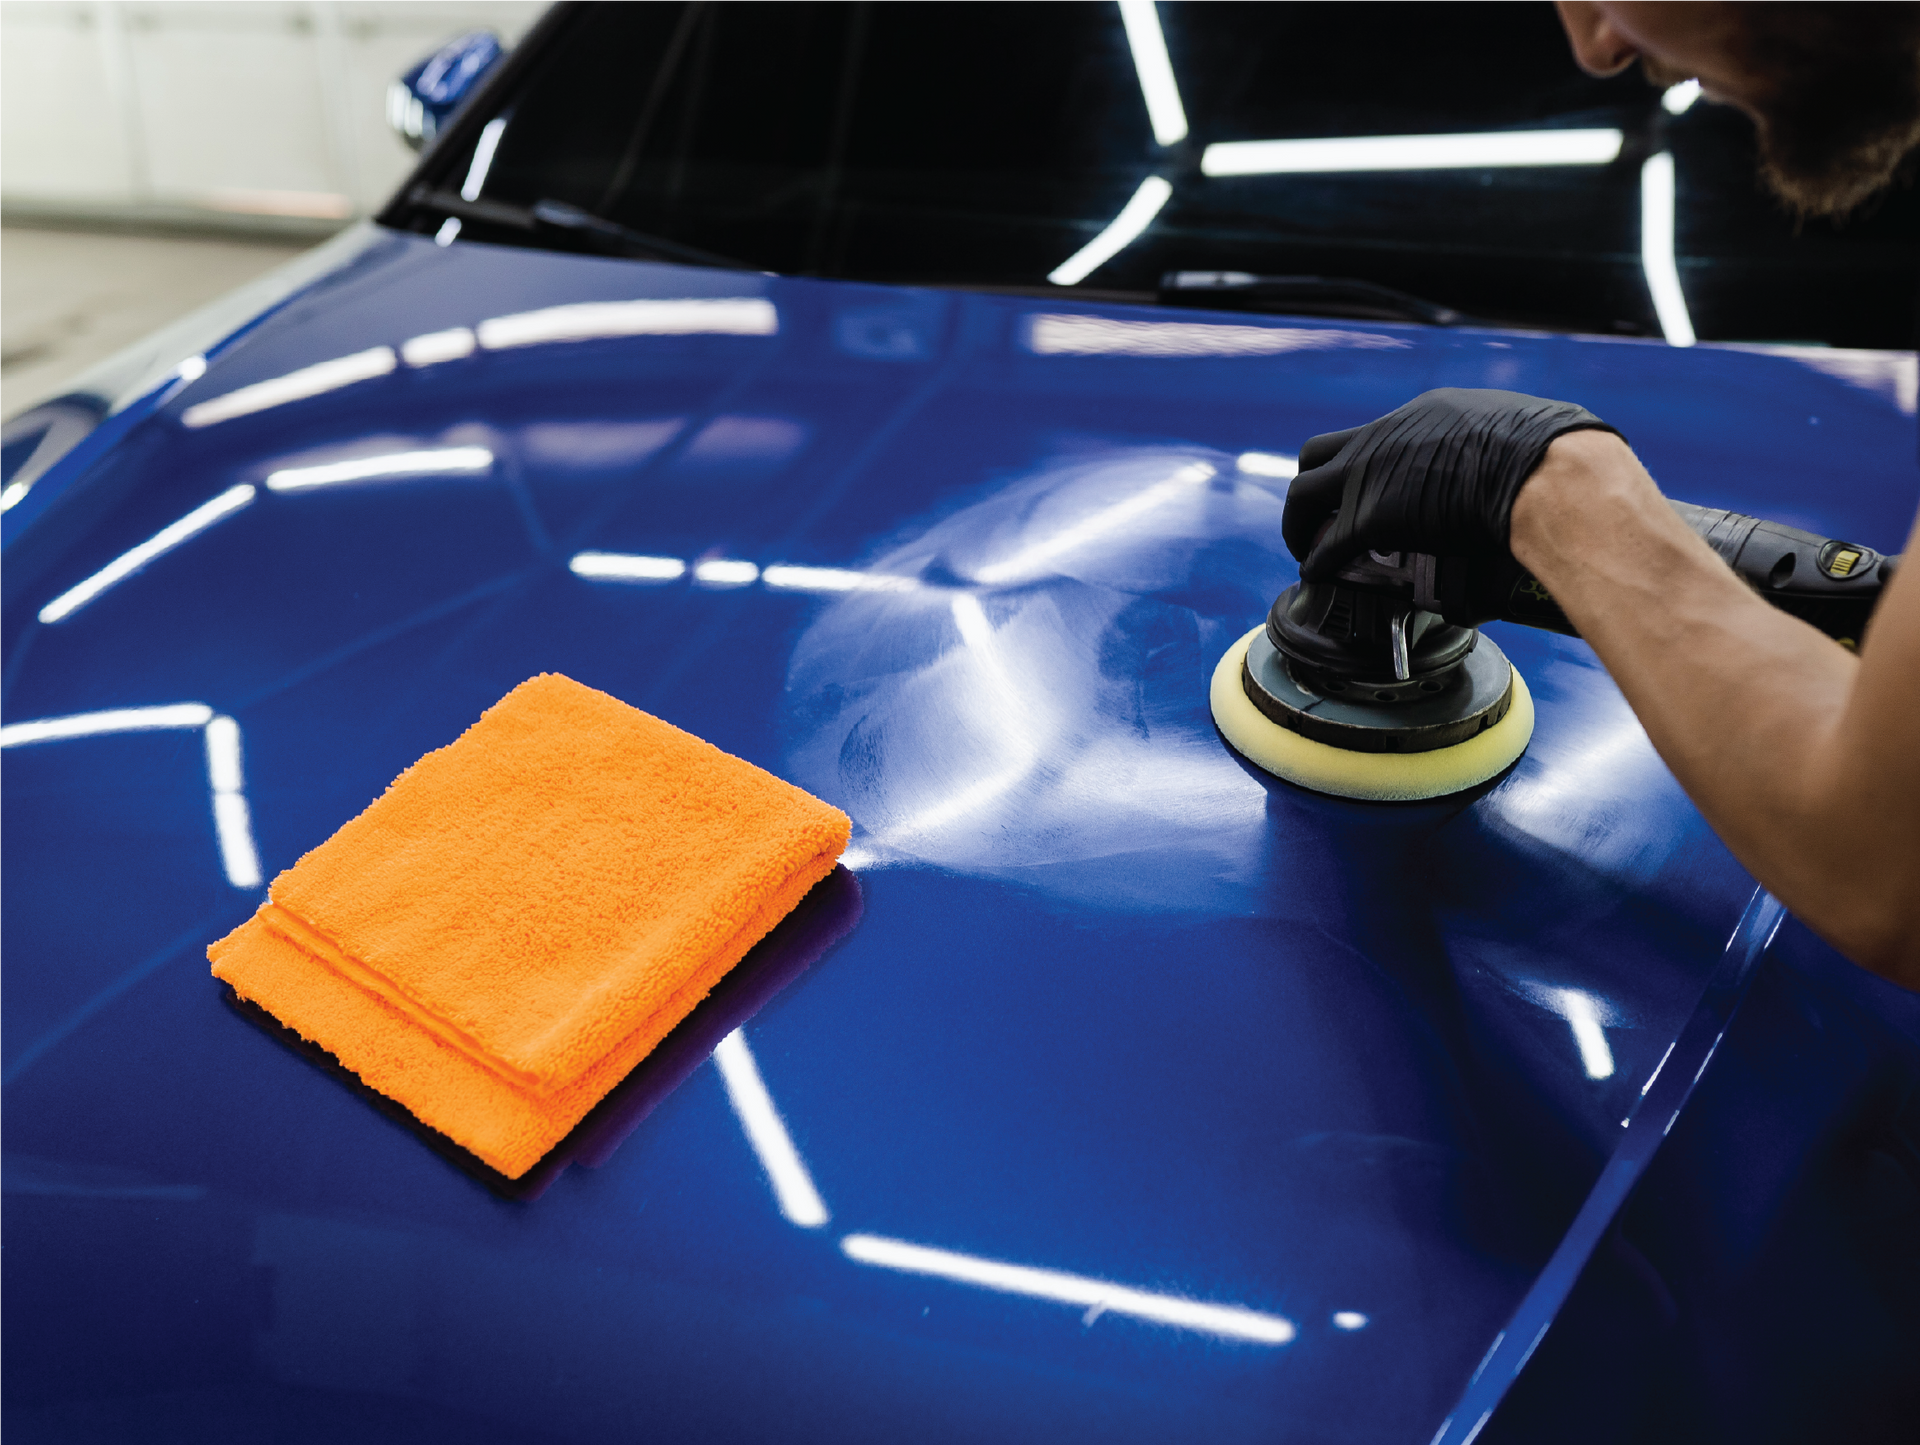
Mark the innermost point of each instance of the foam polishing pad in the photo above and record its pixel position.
(1382, 777)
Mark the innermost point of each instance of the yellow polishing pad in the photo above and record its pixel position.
(1386, 777)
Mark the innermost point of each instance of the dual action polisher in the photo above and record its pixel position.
(1358, 687)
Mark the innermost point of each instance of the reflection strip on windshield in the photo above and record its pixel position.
(483, 150)
(1150, 63)
(1124, 230)
(1657, 212)
(1411, 152)
(1096, 1296)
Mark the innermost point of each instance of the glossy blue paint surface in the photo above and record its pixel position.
(1105, 1003)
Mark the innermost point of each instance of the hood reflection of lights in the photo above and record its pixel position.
(113, 720)
(1001, 732)
(1583, 1017)
(832, 579)
(991, 708)
(1587, 1017)
(753, 1106)
(131, 561)
(594, 320)
(1269, 464)
(1096, 1296)
(1031, 560)
(726, 572)
(233, 824)
(298, 385)
(1591, 786)
(625, 567)
(582, 321)
(438, 346)
(439, 461)
(1105, 336)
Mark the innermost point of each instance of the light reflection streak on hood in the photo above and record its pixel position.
(577, 321)
(132, 560)
(1072, 335)
(113, 720)
(788, 578)
(437, 461)
(232, 821)
(1096, 1296)
(1031, 560)
(1578, 773)
(1587, 1016)
(760, 1121)
(1031, 743)
(298, 385)
(995, 713)
(1583, 1017)
(596, 320)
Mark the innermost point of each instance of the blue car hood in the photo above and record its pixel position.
(1138, 1095)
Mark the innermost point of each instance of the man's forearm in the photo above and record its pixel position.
(1804, 770)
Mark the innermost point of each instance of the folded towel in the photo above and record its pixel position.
(507, 930)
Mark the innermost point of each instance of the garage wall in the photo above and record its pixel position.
(252, 112)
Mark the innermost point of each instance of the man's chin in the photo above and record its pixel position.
(1834, 177)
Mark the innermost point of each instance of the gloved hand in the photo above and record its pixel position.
(1439, 476)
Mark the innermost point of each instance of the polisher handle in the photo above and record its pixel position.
(1829, 583)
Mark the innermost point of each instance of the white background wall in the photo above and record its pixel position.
(224, 107)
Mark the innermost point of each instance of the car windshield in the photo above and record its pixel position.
(1453, 154)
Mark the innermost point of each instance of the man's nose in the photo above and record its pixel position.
(1598, 47)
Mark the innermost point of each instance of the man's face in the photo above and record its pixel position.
(1834, 90)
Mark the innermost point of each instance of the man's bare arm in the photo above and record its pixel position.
(1803, 757)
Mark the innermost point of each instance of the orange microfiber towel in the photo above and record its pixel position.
(523, 914)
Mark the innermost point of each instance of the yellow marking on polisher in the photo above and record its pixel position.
(1383, 777)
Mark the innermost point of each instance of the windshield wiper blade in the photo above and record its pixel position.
(1303, 296)
(546, 215)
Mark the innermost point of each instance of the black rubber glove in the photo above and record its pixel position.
(1437, 476)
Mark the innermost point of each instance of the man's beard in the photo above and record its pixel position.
(1842, 109)
(1820, 169)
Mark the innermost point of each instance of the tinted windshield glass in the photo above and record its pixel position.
(1044, 145)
